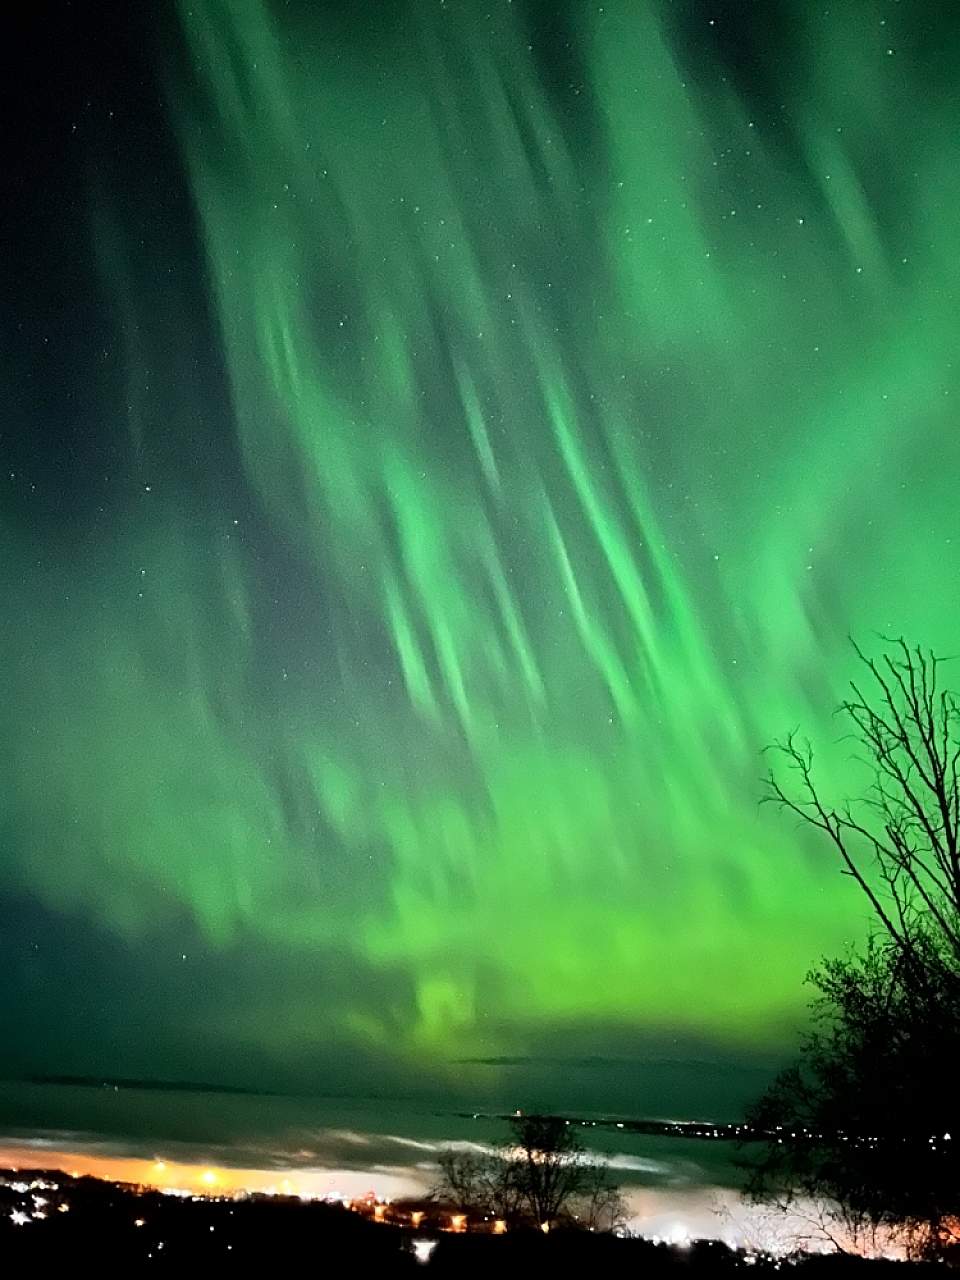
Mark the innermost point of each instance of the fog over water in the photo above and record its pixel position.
(325, 1146)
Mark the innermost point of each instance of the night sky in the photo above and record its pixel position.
(442, 444)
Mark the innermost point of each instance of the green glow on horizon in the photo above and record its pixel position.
(597, 415)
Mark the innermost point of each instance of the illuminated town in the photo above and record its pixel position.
(46, 1215)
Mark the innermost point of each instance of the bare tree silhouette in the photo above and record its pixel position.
(863, 1120)
(540, 1177)
(900, 841)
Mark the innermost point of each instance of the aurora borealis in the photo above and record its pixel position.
(443, 444)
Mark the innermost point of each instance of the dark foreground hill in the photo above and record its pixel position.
(50, 1221)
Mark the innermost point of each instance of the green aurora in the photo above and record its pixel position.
(563, 395)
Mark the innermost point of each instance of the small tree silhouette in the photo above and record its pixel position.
(540, 1177)
(549, 1165)
(597, 1204)
(480, 1185)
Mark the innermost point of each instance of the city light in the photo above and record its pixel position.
(422, 1249)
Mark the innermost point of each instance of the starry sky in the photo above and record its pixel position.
(442, 444)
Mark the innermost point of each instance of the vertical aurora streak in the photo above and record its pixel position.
(592, 404)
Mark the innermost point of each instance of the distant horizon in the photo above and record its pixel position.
(194, 1086)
